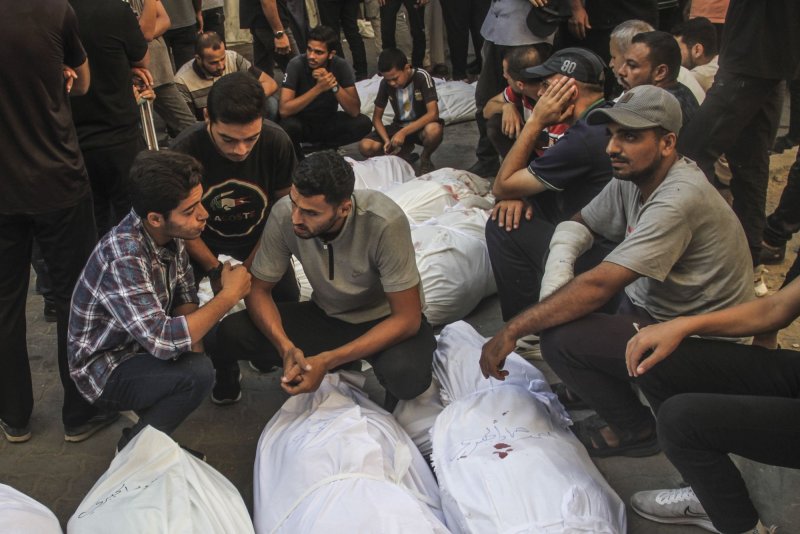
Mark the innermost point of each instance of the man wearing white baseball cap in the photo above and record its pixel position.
(681, 252)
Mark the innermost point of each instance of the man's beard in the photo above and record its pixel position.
(642, 174)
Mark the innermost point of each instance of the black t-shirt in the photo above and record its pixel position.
(421, 86)
(107, 115)
(239, 195)
(606, 14)
(762, 39)
(298, 77)
(574, 170)
(43, 168)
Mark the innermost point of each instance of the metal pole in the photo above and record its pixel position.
(148, 125)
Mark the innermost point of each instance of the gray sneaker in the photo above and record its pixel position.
(673, 507)
(15, 434)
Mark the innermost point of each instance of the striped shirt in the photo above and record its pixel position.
(121, 305)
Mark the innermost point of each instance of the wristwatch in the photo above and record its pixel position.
(278, 34)
(215, 273)
(335, 89)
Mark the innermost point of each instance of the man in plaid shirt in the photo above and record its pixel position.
(135, 328)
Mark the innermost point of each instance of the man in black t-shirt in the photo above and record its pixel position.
(315, 85)
(46, 196)
(247, 166)
(107, 117)
(412, 94)
(654, 58)
(535, 193)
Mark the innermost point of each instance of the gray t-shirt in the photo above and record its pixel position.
(684, 240)
(372, 255)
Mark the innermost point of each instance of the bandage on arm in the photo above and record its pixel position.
(570, 240)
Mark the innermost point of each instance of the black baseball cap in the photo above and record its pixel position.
(578, 63)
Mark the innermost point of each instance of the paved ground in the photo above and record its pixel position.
(59, 474)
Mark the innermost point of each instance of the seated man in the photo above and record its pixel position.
(412, 94)
(535, 193)
(713, 398)
(356, 250)
(315, 85)
(507, 111)
(697, 39)
(247, 166)
(681, 252)
(211, 62)
(135, 330)
(654, 58)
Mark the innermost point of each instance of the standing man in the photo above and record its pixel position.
(107, 117)
(356, 249)
(503, 29)
(187, 21)
(341, 15)
(278, 28)
(46, 195)
(247, 166)
(315, 85)
(135, 330)
(740, 114)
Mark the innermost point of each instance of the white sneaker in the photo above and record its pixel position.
(759, 285)
(673, 507)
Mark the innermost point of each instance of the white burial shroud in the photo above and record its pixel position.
(504, 456)
(20, 514)
(333, 461)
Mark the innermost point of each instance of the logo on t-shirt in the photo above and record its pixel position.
(235, 208)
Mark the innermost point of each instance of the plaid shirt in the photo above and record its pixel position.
(121, 303)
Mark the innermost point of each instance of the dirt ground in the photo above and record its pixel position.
(789, 337)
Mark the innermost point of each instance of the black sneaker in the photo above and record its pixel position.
(485, 169)
(227, 387)
(783, 143)
(16, 434)
(771, 255)
(76, 434)
(50, 311)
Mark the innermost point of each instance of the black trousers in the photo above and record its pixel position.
(739, 118)
(713, 398)
(490, 83)
(181, 42)
(109, 168)
(66, 238)
(264, 55)
(403, 369)
(785, 220)
(334, 131)
(214, 21)
(416, 23)
(462, 17)
(518, 259)
(341, 15)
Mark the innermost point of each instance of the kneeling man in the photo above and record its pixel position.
(135, 330)
(356, 250)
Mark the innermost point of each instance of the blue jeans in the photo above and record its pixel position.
(161, 392)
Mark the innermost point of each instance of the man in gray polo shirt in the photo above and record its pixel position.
(681, 252)
(356, 250)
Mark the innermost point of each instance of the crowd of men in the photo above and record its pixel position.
(606, 140)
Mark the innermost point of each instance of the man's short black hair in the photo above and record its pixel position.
(325, 173)
(522, 57)
(698, 31)
(159, 181)
(208, 40)
(392, 58)
(236, 98)
(324, 34)
(664, 50)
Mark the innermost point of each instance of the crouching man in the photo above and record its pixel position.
(356, 250)
(135, 329)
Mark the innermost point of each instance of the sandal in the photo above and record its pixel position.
(569, 399)
(588, 433)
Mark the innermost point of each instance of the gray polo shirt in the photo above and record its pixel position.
(684, 240)
(505, 24)
(350, 275)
